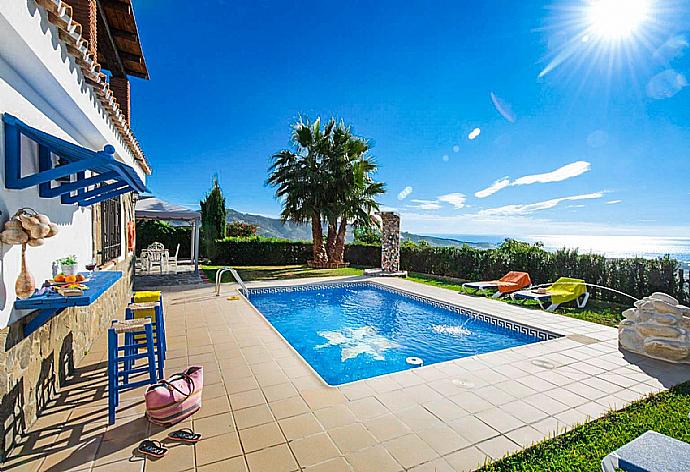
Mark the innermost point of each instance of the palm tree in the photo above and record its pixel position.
(298, 178)
(351, 190)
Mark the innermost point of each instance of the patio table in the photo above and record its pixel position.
(51, 303)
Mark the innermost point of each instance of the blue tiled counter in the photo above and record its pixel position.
(51, 303)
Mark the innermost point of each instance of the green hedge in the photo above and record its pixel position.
(152, 231)
(263, 251)
(635, 276)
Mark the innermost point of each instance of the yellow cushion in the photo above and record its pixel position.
(147, 296)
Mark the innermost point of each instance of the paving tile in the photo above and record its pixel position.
(498, 447)
(524, 411)
(300, 426)
(566, 397)
(495, 395)
(314, 449)
(438, 465)
(214, 425)
(467, 459)
(367, 408)
(386, 427)
(525, 436)
(352, 437)
(471, 402)
(272, 459)
(218, 448)
(417, 418)
(261, 437)
(292, 406)
(338, 464)
(373, 459)
(545, 403)
(323, 397)
(473, 429)
(500, 420)
(335, 416)
(443, 439)
(279, 392)
(445, 410)
(410, 450)
(253, 416)
(236, 464)
(180, 457)
(246, 399)
(213, 406)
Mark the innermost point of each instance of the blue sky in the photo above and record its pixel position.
(580, 132)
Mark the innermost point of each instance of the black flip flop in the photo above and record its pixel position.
(152, 449)
(185, 435)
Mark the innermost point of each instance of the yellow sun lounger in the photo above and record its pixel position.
(563, 290)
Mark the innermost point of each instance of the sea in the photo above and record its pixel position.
(609, 246)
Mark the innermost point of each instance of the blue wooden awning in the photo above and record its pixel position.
(67, 177)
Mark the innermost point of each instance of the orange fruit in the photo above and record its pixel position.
(80, 278)
(70, 278)
(60, 278)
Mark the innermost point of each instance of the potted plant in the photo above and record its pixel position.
(69, 265)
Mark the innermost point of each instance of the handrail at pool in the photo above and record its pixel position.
(236, 276)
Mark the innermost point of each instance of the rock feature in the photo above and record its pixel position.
(657, 327)
(390, 246)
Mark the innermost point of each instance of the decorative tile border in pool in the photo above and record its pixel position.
(541, 334)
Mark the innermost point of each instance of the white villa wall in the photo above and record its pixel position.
(41, 85)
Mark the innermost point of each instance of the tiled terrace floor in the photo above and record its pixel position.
(265, 410)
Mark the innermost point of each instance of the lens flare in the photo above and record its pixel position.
(617, 19)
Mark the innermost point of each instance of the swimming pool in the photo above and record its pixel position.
(354, 331)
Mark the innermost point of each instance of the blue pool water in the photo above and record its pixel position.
(354, 332)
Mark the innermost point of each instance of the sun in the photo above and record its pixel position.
(617, 19)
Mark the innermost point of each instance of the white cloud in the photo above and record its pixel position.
(614, 202)
(565, 172)
(405, 193)
(474, 134)
(493, 188)
(528, 208)
(457, 200)
(425, 204)
(562, 173)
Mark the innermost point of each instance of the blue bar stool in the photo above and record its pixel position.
(146, 296)
(118, 379)
(154, 312)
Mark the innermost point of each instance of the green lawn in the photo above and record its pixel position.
(583, 448)
(249, 273)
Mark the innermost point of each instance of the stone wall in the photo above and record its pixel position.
(390, 241)
(33, 368)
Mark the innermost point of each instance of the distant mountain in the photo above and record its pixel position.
(274, 228)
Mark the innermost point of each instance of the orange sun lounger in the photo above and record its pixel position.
(511, 282)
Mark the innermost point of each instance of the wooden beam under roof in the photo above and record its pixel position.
(123, 7)
(118, 67)
(118, 33)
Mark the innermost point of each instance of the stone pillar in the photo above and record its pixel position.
(120, 88)
(84, 13)
(390, 241)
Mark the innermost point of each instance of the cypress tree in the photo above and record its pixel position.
(213, 214)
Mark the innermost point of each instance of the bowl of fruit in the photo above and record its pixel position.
(62, 279)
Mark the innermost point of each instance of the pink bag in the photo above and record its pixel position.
(179, 397)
